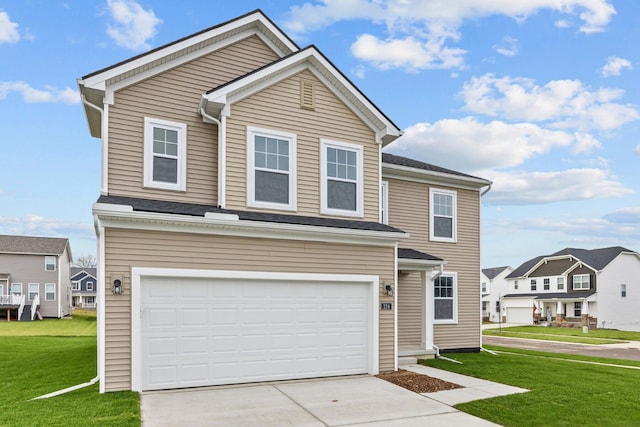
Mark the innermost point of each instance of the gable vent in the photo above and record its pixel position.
(307, 96)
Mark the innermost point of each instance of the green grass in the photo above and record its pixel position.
(575, 335)
(40, 357)
(563, 393)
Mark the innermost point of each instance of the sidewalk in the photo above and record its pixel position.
(473, 388)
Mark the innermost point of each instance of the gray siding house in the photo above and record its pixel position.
(34, 277)
(83, 287)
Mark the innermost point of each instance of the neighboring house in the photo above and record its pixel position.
(248, 229)
(34, 276)
(598, 286)
(84, 287)
(493, 286)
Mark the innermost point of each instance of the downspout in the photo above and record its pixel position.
(67, 390)
(222, 157)
(103, 183)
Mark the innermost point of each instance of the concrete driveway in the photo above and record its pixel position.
(346, 401)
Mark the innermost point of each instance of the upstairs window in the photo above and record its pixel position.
(515, 285)
(75, 286)
(442, 224)
(384, 202)
(546, 284)
(165, 154)
(50, 263)
(560, 283)
(484, 286)
(581, 282)
(534, 285)
(271, 169)
(445, 309)
(342, 182)
(89, 286)
(623, 291)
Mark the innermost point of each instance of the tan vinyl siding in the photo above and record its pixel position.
(278, 108)
(409, 211)
(174, 95)
(409, 309)
(125, 249)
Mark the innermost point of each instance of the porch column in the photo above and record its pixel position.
(427, 311)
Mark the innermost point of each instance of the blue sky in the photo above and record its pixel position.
(542, 97)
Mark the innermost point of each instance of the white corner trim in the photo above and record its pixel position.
(138, 273)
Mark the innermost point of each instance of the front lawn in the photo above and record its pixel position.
(563, 393)
(576, 335)
(40, 357)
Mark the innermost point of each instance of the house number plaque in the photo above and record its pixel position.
(386, 306)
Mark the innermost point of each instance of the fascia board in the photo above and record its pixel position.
(234, 227)
(406, 173)
(418, 264)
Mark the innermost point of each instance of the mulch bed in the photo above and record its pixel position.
(418, 383)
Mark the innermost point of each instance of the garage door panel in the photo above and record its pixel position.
(212, 331)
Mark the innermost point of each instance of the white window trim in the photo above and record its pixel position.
(454, 320)
(90, 289)
(75, 285)
(47, 257)
(181, 128)
(384, 202)
(46, 293)
(324, 209)
(560, 283)
(454, 225)
(573, 282)
(17, 284)
(293, 168)
(37, 285)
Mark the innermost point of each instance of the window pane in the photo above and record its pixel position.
(171, 136)
(158, 147)
(283, 162)
(351, 158)
(283, 147)
(443, 309)
(341, 195)
(332, 156)
(442, 227)
(272, 161)
(172, 149)
(342, 157)
(261, 160)
(158, 134)
(332, 170)
(272, 145)
(352, 173)
(165, 170)
(272, 187)
(342, 171)
(261, 144)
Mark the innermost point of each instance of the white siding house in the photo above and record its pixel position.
(493, 286)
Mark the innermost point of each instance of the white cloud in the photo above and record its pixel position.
(526, 188)
(471, 146)
(34, 225)
(615, 65)
(410, 53)
(508, 46)
(424, 28)
(8, 29)
(133, 26)
(637, 149)
(629, 215)
(560, 103)
(33, 96)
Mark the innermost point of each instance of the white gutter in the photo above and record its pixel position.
(222, 155)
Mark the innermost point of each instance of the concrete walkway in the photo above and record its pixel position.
(346, 401)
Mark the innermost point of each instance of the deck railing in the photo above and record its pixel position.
(11, 299)
(34, 306)
(21, 307)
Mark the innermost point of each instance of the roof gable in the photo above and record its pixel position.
(218, 101)
(98, 87)
(81, 273)
(492, 273)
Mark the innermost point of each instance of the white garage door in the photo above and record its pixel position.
(520, 315)
(198, 332)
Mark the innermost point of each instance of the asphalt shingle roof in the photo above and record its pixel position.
(596, 258)
(91, 271)
(392, 159)
(493, 272)
(160, 206)
(406, 253)
(32, 245)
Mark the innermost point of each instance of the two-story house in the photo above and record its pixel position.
(250, 228)
(573, 285)
(84, 287)
(34, 277)
(493, 286)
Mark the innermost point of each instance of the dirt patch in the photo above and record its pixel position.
(418, 383)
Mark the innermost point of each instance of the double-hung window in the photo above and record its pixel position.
(271, 169)
(15, 289)
(342, 178)
(623, 290)
(89, 286)
(445, 308)
(34, 290)
(49, 291)
(50, 263)
(545, 283)
(165, 154)
(442, 221)
(534, 284)
(560, 283)
(581, 282)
